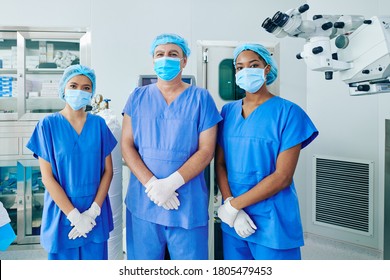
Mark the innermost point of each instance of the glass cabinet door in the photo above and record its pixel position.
(8, 84)
(8, 189)
(42, 58)
(30, 201)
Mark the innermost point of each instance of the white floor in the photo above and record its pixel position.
(316, 248)
(319, 248)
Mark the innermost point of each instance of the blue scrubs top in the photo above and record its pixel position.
(166, 137)
(77, 162)
(251, 147)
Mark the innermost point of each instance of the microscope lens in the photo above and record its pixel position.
(280, 19)
(268, 25)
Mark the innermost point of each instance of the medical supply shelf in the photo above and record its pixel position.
(32, 61)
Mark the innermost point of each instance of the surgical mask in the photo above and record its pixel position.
(167, 68)
(250, 79)
(77, 99)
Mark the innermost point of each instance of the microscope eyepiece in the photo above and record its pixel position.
(303, 8)
(280, 18)
(269, 25)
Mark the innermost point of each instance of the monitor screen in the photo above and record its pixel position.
(147, 81)
(151, 79)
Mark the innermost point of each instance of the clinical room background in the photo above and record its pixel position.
(351, 128)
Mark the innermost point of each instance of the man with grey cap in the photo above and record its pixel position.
(168, 138)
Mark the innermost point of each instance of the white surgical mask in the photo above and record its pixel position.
(77, 99)
(250, 79)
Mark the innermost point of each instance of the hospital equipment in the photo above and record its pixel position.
(357, 48)
(100, 107)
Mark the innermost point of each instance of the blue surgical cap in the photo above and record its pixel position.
(75, 70)
(264, 53)
(170, 39)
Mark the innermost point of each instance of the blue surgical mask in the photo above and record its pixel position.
(250, 79)
(167, 68)
(77, 99)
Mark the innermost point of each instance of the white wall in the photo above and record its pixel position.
(123, 31)
(46, 13)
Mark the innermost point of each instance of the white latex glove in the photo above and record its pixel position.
(92, 212)
(227, 213)
(243, 224)
(81, 222)
(161, 190)
(172, 203)
(149, 183)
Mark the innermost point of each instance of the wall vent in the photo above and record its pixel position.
(343, 194)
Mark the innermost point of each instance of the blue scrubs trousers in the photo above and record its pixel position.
(91, 251)
(147, 241)
(239, 249)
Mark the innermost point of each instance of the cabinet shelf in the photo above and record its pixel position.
(24, 54)
(8, 116)
(45, 71)
(9, 71)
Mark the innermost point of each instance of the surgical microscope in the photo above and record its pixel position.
(355, 47)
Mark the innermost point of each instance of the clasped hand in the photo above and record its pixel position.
(163, 191)
(239, 219)
(243, 224)
(83, 223)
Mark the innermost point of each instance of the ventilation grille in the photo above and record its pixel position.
(343, 194)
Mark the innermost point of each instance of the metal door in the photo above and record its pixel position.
(30, 193)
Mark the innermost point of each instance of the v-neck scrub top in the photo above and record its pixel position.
(166, 136)
(251, 147)
(77, 163)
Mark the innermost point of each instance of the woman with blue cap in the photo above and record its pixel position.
(259, 141)
(74, 152)
(168, 138)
